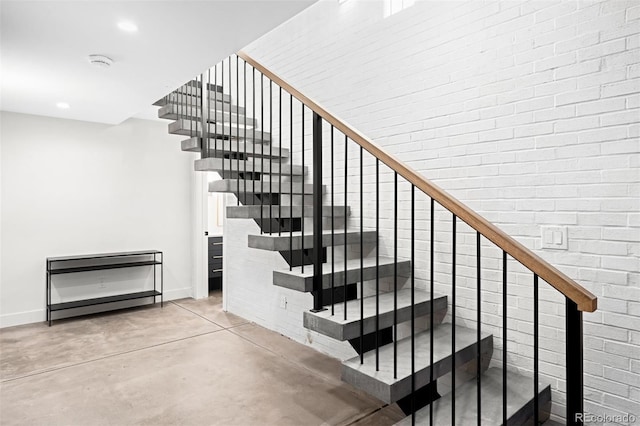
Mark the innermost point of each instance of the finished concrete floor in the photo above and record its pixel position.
(188, 363)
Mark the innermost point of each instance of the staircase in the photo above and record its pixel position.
(438, 372)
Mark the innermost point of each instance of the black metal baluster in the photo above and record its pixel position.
(253, 140)
(574, 364)
(361, 265)
(270, 154)
(303, 197)
(262, 154)
(194, 109)
(203, 122)
(504, 337)
(291, 180)
(395, 275)
(346, 170)
(215, 102)
(179, 100)
(431, 304)
(208, 139)
(190, 100)
(453, 321)
(377, 263)
(333, 246)
(413, 308)
(184, 102)
(318, 303)
(535, 350)
(244, 163)
(244, 141)
(280, 161)
(478, 336)
(222, 118)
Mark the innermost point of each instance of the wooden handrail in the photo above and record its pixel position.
(585, 300)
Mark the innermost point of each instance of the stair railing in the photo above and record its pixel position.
(577, 298)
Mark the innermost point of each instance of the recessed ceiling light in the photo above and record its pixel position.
(128, 26)
(62, 105)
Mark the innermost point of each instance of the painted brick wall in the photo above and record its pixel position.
(525, 111)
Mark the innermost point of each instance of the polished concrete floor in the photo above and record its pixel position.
(188, 363)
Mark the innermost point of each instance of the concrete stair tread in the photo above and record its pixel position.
(519, 402)
(226, 146)
(262, 186)
(337, 327)
(191, 96)
(193, 127)
(194, 84)
(179, 101)
(303, 281)
(382, 383)
(282, 211)
(232, 113)
(275, 242)
(215, 164)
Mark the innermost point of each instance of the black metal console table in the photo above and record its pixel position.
(96, 262)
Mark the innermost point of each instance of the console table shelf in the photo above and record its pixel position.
(97, 262)
(106, 266)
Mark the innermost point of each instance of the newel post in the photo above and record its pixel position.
(575, 397)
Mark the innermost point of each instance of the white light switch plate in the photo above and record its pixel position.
(555, 237)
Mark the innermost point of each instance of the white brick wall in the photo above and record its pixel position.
(528, 113)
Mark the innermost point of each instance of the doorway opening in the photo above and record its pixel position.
(215, 243)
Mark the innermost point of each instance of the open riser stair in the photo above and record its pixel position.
(418, 338)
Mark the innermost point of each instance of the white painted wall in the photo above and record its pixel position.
(74, 187)
(215, 208)
(528, 112)
(250, 293)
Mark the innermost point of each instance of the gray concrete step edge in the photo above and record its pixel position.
(192, 128)
(519, 402)
(382, 383)
(232, 115)
(297, 280)
(337, 327)
(261, 187)
(235, 146)
(275, 242)
(285, 212)
(215, 164)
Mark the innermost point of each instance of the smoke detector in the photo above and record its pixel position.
(100, 61)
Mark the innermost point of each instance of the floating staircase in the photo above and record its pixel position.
(394, 368)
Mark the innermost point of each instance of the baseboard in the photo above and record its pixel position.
(180, 293)
(21, 318)
(40, 315)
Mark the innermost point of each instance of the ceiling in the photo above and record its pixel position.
(44, 47)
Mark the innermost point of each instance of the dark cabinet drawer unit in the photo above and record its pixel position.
(215, 259)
